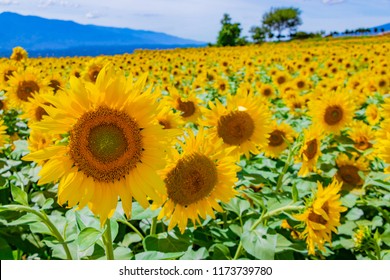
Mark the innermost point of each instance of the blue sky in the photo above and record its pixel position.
(200, 19)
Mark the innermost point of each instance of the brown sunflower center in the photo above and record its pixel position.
(333, 115)
(94, 72)
(192, 179)
(267, 92)
(106, 144)
(281, 80)
(276, 138)
(363, 144)
(18, 56)
(40, 112)
(186, 107)
(318, 218)
(1, 104)
(236, 127)
(311, 150)
(26, 89)
(349, 174)
(55, 85)
(8, 74)
(301, 84)
(165, 123)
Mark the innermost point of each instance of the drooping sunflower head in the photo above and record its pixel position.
(362, 135)
(281, 135)
(332, 112)
(322, 216)
(19, 54)
(348, 171)
(310, 150)
(244, 124)
(196, 180)
(114, 146)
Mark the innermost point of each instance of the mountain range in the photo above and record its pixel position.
(51, 37)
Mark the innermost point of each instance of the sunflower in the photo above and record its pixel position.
(113, 147)
(196, 180)
(265, 90)
(92, 69)
(278, 140)
(19, 54)
(372, 114)
(244, 124)
(188, 105)
(22, 86)
(348, 171)
(34, 110)
(4, 138)
(322, 216)
(6, 71)
(362, 135)
(310, 150)
(333, 111)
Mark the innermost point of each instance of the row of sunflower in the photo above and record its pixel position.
(276, 151)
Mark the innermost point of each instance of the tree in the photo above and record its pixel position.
(260, 33)
(229, 35)
(280, 19)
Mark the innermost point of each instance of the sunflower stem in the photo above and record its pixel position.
(130, 225)
(107, 238)
(153, 226)
(264, 216)
(286, 166)
(46, 220)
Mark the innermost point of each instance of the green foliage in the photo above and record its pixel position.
(280, 19)
(229, 35)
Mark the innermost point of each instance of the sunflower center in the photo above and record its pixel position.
(349, 174)
(276, 138)
(165, 123)
(8, 74)
(1, 104)
(267, 92)
(333, 115)
(301, 84)
(40, 112)
(363, 144)
(106, 144)
(55, 85)
(318, 218)
(192, 179)
(94, 72)
(186, 107)
(281, 80)
(311, 149)
(26, 89)
(236, 127)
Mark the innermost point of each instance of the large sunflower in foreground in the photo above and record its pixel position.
(244, 124)
(322, 216)
(196, 180)
(114, 144)
(333, 111)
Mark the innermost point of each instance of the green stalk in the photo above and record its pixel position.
(130, 225)
(153, 227)
(286, 166)
(265, 216)
(45, 219)
(107, 239)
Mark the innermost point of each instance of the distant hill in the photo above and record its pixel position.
(48, 37)
(385, 27)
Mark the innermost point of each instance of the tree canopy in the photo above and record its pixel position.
(280, 19)
(230, 33)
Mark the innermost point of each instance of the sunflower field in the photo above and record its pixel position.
(279, 151)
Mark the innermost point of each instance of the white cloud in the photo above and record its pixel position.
(9, 2)
(92, 14)
(330, 2)
(61, 3)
